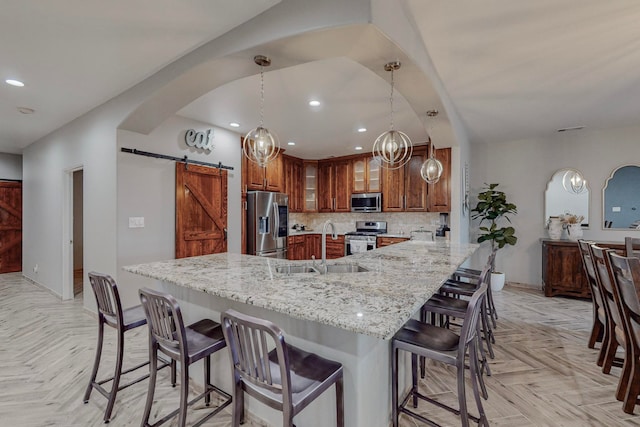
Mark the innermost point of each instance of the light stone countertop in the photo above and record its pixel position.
(378, 302)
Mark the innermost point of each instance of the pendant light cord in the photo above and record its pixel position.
(391, 100)
(261, 96)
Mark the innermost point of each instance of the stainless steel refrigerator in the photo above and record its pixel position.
(267, 224)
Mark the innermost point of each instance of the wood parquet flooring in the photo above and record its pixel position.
(543, 373)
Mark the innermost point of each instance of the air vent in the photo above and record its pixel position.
(570, 129)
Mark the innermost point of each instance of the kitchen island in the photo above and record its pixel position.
(348, 317)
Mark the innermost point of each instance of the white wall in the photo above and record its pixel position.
(10, 166)
(146, 188)
(523, 169)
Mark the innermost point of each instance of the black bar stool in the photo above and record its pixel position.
(110, 312)
(445, 346)
(185, 345)
(285, 378)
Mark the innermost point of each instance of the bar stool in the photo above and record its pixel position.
(285, 378)
(110, 313)
(185, 345)
(445, 346)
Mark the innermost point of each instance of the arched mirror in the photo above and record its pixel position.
(567, 192)
(621, 199)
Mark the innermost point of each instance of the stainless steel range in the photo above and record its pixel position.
(364, 238)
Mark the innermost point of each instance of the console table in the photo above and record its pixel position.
(562, 271)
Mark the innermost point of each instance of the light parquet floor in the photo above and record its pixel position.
(543, 373)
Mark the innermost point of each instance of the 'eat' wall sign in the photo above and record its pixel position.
(202, 140)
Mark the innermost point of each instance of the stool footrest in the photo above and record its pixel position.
(415, 393)
(210, 389)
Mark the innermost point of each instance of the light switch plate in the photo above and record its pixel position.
(136, 221)
(615, 209)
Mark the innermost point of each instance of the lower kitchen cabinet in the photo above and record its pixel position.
(313, 246)
(296, 247)
(386, 241)
(335, 248)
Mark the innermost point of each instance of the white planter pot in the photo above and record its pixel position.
(574, 231)
(554, 227)
(497, 281)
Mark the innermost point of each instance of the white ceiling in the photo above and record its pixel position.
(513, 70)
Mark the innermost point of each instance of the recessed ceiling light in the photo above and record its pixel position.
(12, 82)
(358, 148)
(26, 110)
(234, 125)
(291, 143)
(314, 103)
(362, 130)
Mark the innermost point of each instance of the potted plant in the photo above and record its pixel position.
(573, 224)
(493, 207)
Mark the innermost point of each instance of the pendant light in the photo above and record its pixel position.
(260, 145)
(392, 147)
(431, 169)
(573, 182)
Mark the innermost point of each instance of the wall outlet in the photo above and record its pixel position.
(136, 222)
(615, 209)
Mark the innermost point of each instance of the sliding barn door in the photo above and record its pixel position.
(10, 227)
(201, 210)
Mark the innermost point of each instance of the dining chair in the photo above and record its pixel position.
(598, 329)
(184, 345)
(632, 246)
(445, 346)
(274, 372)
(111, 313)
(626, 275)
(615, 332)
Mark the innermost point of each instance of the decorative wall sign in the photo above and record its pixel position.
(202, 140)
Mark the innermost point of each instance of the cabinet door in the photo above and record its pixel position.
(297, 185)
(290, 245)
(563, 273)
(415, 188)
(440, 192)
(273, 175)
(373, 175)
(335, 248)
(342, 186)
(393, 190)
(386, 241)
(312, 246)
(325, 187)
(310, 175)
(359, 171)
(254, 175)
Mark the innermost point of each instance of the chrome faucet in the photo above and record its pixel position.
(334, 236)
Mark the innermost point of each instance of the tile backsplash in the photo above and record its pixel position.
(397, 222)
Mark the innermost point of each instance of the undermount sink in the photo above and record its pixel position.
(331, 268)
(294, 269)
(345, 268)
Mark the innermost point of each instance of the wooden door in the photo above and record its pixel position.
(415, 188)
(10, 227)
(342, 186)
(201, 210)
(440, 192)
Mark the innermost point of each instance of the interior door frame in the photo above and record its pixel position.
(67, 233)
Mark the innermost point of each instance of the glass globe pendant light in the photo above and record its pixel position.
(431, 169)
(260, 145)
(573, 182)
(393, 148)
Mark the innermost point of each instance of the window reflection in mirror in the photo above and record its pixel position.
(621, 199)
(564, 196)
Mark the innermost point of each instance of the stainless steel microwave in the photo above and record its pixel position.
(366, 202)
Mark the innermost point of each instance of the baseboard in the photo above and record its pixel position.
(43, 287)
(527, 286)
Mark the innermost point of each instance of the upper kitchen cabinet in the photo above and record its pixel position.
(440, 192)
(310, 190)
(268, 178)
(366, 174)
(293, 182)
(403, 189)
(334, 183)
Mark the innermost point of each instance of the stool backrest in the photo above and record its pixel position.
(632, 246)
(469, 329)
(250, 340)
(107, 297)
(166, 327)
(626, 274)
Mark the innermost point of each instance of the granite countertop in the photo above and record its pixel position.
(378, 302)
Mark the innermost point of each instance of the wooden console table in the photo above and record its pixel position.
(562, 271)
